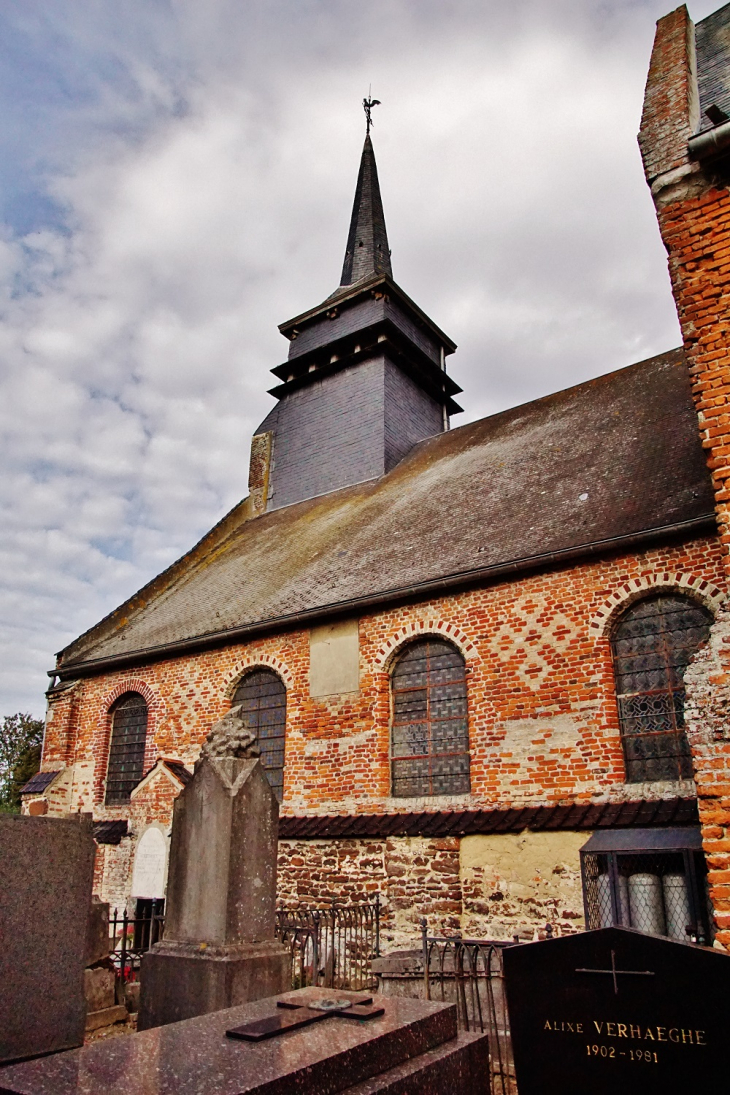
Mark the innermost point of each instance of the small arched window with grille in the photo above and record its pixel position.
(653, 643)
(430, 731)
(262, 694)
(126, 751)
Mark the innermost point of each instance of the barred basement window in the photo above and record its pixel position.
(654, 880)
(653, 644)
(430, 733)
(263, 697)
(126, 753)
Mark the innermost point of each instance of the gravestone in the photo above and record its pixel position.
(46, 875)
(407, 1046)
(219, 947)
(617, 1010)
(150, 860)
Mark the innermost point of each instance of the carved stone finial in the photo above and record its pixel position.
(231, 737)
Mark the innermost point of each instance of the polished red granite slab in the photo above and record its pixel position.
(195, 1057)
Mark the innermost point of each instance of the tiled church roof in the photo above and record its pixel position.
(612, 461)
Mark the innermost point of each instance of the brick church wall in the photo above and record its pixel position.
(693, 209)
(543, 730)
(543, 721)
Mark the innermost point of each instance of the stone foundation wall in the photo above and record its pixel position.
(485, 887)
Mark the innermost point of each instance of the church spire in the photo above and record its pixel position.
(367, 251)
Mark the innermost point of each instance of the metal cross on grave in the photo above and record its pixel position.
(295, 1014)
(616, 973)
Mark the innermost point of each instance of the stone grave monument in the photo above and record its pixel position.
(46, 875)
(297, 1042)
(219, 947)
(616, 1010)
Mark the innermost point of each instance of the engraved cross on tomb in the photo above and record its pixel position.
(615, 973)
(295, 1015)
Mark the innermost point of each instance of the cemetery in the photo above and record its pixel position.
(381, 787)
(218, 1012)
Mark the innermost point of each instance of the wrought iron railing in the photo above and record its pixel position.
(470, 973)
(130, 937)
(333, 946)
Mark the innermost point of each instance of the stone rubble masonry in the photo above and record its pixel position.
(543, 730)
(693, 210)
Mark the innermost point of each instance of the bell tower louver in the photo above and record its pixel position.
(365, 378)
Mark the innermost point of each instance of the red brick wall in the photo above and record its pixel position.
(542, 720)
(694, 219)
(542, 714)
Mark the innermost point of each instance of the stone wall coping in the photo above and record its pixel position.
(579, 816)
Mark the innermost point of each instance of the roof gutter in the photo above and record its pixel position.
(93, 666)
(710, 143)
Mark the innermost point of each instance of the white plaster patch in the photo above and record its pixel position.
(525, 738)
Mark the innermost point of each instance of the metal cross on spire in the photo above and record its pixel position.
(367, 105)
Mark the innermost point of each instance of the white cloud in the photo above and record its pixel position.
(187, 172)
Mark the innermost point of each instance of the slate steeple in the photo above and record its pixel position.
(367, 250)
(365, 379)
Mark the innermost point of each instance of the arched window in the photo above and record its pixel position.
(430, 733)
(263, 696)
(653, 644)
(126, 753)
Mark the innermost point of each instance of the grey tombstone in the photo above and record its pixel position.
(220, 947)
(47, 870)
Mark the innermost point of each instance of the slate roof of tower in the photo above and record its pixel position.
(613, 457)
(367, 251)
(712, 41)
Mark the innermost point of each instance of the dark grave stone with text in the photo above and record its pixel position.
(617, 1010)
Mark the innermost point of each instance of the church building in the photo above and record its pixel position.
(488, 665)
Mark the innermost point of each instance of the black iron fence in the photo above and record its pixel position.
(470, 973)
(333, 946)
(130, 937)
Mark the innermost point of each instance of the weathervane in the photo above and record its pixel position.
(367, 105)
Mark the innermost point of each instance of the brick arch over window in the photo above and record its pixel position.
(262, 696)
(390, 649)
(701, 590)
(652, 643)
(258, 661)
(155, 714)
(429, 724)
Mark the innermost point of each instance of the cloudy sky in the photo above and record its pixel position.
(176, 179)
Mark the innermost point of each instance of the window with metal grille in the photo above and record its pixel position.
(430, 732)
(263, 697)
(653, 644)
(660, 888)
(126, 753)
